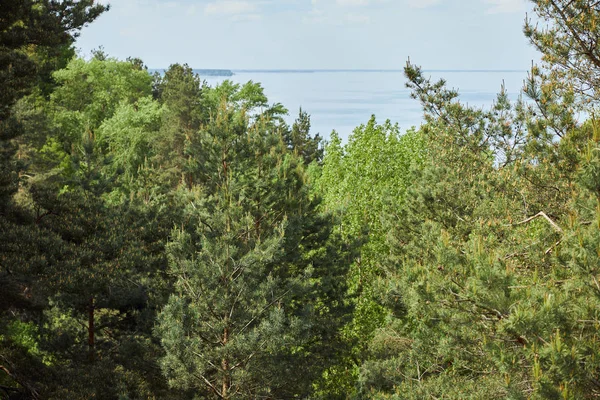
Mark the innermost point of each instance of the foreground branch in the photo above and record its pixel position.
(547, 218)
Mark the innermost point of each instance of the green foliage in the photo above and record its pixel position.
(181, 93)
(175, 240)
(299, 140)
(90, 92)
(481, 260)
(32, 33)
(129, 135)
(258, 277)
(35, 38)
(567, 38)
(362, 181)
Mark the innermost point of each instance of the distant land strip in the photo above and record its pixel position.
(229, 72)
(309, 71)
(201, 72)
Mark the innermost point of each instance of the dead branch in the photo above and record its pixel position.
(552, 248)
(547, 218)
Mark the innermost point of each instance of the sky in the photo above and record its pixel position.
(315, 34)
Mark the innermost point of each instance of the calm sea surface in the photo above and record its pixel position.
(342, 100)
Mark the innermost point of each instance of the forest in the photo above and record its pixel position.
(164, 239)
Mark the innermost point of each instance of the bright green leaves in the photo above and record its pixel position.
(364, 177)
(361, 182)
(90, 92)
(103, 120)
(129, 134)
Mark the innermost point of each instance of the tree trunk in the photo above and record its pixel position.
(225, 365)
(91, 339)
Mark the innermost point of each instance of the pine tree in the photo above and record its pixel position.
(254, 278)
(301, 142)
(180, 92)
(36, 37)
(486, 298)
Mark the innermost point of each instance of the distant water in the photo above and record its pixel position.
(344, 99)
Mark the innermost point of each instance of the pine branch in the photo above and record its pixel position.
(546, 217)
(30, 389)
(265, 308)
(211, 386)
(589, 51)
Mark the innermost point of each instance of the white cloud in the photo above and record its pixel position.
(422, 3)
(169, 4)
(230, 7)
(246, 17)
(505, 6)
(345, 3)
(191, 10)
(358, 19)
(331, 12)
(336, 12)
(315, 17)
(340, 36)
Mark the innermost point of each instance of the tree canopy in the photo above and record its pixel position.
(164, 239)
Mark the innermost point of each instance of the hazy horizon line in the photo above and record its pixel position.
(308, 70)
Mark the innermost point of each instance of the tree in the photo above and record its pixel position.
(361, 181)
(91, 183)
(92, 300)
(180, 92)
(300, 141)
(477, 300)
(31, 32)
(254, 277)
(569, 43)
(35, 38)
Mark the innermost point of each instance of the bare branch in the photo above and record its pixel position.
(547, 218)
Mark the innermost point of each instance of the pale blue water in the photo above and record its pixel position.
(342, 100)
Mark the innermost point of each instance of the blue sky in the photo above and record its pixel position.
(315, 34)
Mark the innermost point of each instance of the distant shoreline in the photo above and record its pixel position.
(201, 72)
(308, 71)
(231, 72)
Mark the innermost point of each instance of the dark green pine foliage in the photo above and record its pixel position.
(35, 38)
(180, 93)
(88, 258)
(259, 281)
(104, 293)
(492, 276)
(301, 142)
